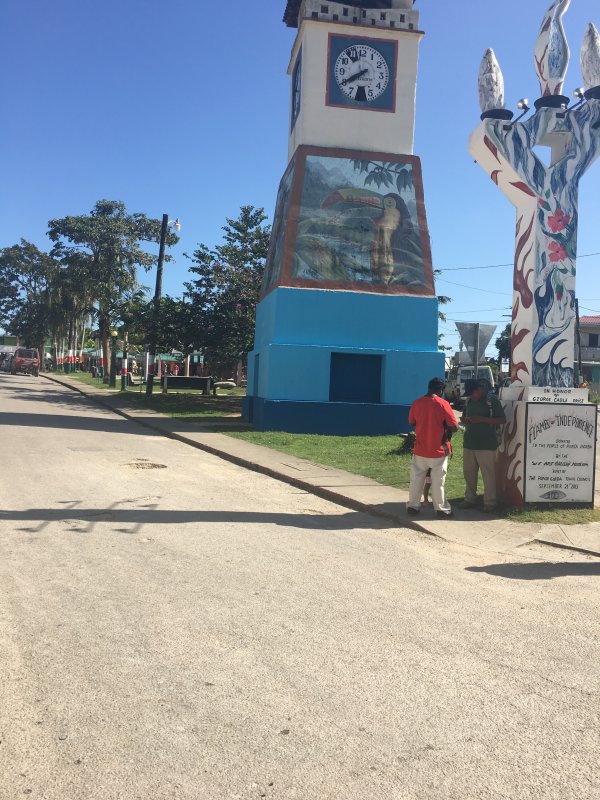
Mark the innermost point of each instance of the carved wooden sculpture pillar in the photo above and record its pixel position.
(546, 200)
(546, 197)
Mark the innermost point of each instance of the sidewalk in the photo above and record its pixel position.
(468, 528)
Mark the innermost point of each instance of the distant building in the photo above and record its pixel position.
(590, 348)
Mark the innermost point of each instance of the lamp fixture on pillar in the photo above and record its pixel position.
(590, 62)
(491, 88)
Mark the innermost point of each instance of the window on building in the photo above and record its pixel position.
(324, 9)
(402, 17)
(345, 12)
(593, 339)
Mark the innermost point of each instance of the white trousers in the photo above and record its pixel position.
(418, 473)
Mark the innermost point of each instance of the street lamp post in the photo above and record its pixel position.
(157, 295)
(112, 381)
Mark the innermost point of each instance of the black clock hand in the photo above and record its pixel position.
(355, 77)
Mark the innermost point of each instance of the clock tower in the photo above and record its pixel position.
(346, 329)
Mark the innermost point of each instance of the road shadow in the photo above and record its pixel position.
(74, 422)
(539, 571)
(36, 519)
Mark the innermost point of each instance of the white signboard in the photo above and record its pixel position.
(556, 394)
(560, 453)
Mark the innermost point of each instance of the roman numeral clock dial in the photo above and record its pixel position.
(362, 73)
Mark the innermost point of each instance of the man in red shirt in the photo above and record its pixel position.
(434, 423)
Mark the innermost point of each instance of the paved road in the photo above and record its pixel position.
(172, 626)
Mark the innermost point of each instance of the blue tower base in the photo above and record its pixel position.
(333, 419)
(340, 363)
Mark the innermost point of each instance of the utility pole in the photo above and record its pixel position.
(156, 311)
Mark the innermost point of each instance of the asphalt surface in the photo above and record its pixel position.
(174, 626)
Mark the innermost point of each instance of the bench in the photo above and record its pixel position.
(176, 382)
(134, 380)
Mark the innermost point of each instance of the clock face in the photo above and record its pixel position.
(362, 73)
(296, 88)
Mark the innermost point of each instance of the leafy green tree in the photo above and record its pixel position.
(226, 289)
(175, 329)
(29, 305)
(503, 343)
(105, 248)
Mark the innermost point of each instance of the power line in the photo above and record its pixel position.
(481, 310)
(499, 266)
(474, 288)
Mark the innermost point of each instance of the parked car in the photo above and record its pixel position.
(25, 361)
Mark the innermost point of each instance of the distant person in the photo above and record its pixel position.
(434, 423)
(482, 415)
(175, 370)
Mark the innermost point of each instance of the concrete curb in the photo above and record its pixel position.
(325, 493)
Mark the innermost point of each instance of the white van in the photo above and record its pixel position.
(458, 376)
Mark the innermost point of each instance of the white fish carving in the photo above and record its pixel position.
(491, 83)
(552, 54)
(590, 57)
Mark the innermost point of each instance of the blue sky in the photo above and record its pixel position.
(182, 107)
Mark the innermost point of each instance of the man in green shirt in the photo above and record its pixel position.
(483, 413)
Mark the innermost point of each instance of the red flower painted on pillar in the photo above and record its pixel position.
(558, 221)
(557, 252)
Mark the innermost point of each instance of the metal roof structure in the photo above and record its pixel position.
(293, 8)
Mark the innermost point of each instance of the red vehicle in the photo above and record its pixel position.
(25, 361)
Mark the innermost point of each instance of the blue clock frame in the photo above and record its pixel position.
(389, 50)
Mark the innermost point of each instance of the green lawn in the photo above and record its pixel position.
(84, 377)
(191, 406)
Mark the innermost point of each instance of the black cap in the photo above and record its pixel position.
(436, 385)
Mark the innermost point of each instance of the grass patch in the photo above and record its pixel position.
(555, 516)
(85, 378)
(376, 457)
(193, 407)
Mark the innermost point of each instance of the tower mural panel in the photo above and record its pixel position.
(351, 221)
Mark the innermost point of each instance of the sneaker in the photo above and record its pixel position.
(465, 504)
(444, 514)
(412, 511)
